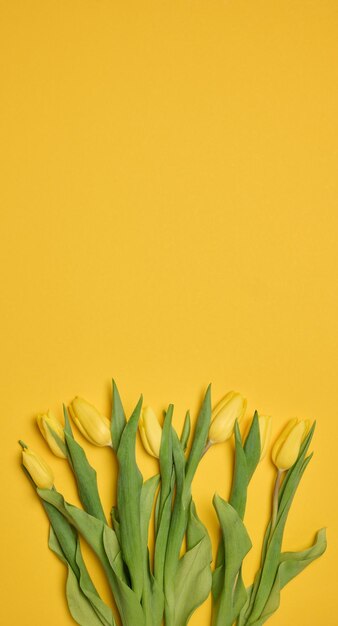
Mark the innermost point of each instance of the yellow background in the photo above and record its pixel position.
(169, 218)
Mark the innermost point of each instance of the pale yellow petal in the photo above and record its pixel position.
(283, 435)
(289, 450)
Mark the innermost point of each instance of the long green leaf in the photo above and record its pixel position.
(153, 595)
(291, 564)
(252, 446)
(240, 476)
(103, 541)
(89, 527)
(79, 605)
(128, 502)
(164, 498)
(237, 544)
(126, 599)
(85, 474)
(200, 436)
(193, 577)
(246, 460)
(118, 418)
(177, 529)
(186, 431)
(66, 538)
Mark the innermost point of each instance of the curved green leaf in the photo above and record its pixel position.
(126, 599)
(79, 605)
(240, 477)
(186, 431)
(128, 502)
(291, 564)
(200, 436)
(193, 577)
(118, 418)
(237, 544)
(85, 474)
(252, 446)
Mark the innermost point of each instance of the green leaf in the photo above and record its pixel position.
(240, 477)
(128, 502)
(166, 458)
(245, 457)
(252, 446)
(164, 499)
(58, 440)
(200, 436)
(193, 578)
(126, 599)
(85, 475)
(291, 564)
(186, 431)
(152, 598)
(103, 611)
(89, 527)
(68, 541)
(79, 605)
(229, 595)
(148, 492)
(114, 514)
(177, 529)
(118, 418)
(103, 541)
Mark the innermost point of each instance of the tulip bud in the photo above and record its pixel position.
(286, 449)
(47, 422)
(265, 423)
(224, 416)
(150, 431)
(38, 469)
(93, 426)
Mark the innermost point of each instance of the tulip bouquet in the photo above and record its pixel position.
(168, 582)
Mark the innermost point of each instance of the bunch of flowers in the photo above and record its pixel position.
(169, 581)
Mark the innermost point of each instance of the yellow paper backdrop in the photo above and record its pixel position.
(169, 218)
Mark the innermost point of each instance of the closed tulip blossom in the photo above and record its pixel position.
(286, 448)
(231, 408)
(94, 426)
(38, 469)
(47, 423)
(150, 431)
(285, 453)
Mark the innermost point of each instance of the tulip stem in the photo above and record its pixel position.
(275, 500)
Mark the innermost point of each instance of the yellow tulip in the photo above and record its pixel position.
(94, 426)
(47, 421)
(286, 448)
(265, 423)
(150, 431)
(224, 416)
(40, 472)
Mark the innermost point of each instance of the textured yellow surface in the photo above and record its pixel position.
(169, 218)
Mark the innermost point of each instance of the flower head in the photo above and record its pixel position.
(231, 408)
(47, 423)
(286, 448)
(94, 426)
(150, 431)
(38, 469)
